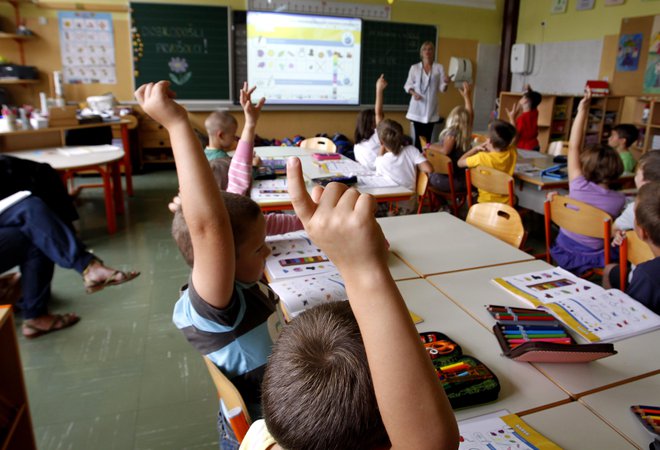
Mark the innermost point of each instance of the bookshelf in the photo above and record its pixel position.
(644, 113)
(15, 422)
(556, 114)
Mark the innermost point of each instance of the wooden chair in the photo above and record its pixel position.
(636, 251)
(322, 144)
(557, 148)
(422, 185)
(423, 142)
(239, 418)
(577, 217)
(499, 220)
(443, 164)
(478, 139)
(491, 180)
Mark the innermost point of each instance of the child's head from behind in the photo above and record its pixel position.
(501, 134)
(390, 133)
(365, 125)
(624, 134)
(532, 98)
(600, 164)
(647, 213)
(221, 128)
(248, 228)
(317, 391)
(648, 168)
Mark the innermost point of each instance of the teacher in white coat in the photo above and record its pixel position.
(425, 80)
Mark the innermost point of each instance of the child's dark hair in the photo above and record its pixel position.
(390, 133)
(628, 132)
(533, 97)
(317, 391)
(647, 211)
(365, 125)
(649, 164)
(242, 212)
(501, 134)
(600, 164)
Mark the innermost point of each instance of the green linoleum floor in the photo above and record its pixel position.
(124, 377)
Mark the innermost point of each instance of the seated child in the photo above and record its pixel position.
(622, 137)
(367, 144)
(399, 162)
(526, 117)
(337, 379)
(645, 283)
(497, 153)
(225, 313)
(590, 170)
(221, 128)
(455, 140)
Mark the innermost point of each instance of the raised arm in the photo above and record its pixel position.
(575, 139)
(466, 93)
(407, 389)
(205, 213)
(381, 84)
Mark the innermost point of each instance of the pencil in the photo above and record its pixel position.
(556, 340)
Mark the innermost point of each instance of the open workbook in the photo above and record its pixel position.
(597, 314)
(302, 274)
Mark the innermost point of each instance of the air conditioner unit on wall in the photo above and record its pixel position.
(522, 58)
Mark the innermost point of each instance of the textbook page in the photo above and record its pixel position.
(299, 294)
(295, 255)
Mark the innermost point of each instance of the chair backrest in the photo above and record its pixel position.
(636, 251)
(557, 148)
(478, 139)
(491, 180)
(322, 144)
(423, 142)
(441, 163)
(499, 220)
(231, 398)
(577, 217)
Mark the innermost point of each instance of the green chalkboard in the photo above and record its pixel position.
(390, 48)
(186, 44)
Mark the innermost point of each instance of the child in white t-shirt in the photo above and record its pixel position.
(399, 162)
(367, 143)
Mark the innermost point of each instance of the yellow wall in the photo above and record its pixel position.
(576, 25)
(460, 31)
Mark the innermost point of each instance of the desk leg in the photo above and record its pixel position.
(128, 168)
(109, 201)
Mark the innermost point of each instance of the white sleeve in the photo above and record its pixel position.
(410, 82)
(415, 155)
(626, 221)
(442, 86)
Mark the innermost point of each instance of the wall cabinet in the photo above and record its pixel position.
(154, 142)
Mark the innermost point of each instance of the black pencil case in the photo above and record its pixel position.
(263, 173)
(553, 352)
(324, 181)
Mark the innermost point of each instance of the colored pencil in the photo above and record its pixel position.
(534, 332)
(543, 318)
(549, 327)
(556, 340)
(535, 336)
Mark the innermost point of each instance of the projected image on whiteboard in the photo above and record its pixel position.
(304, 59)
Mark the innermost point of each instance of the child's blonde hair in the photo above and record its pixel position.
(458, 122)
(390, 133)
(219, 121)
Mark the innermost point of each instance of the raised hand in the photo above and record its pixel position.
(157, 100)
(250, 110)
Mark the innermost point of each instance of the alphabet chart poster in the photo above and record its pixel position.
(87, 47)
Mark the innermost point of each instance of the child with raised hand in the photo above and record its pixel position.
(590, 170)
(526, 117)
(225, 313)
(497, 153)
(331, 383)
(367, 144)
(455, 140)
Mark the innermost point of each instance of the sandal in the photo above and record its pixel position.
(60, 322)
(117, 277)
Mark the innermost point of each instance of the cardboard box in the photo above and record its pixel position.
(62, 117)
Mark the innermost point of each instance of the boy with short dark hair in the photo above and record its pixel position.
(221, 128)
(622, 137)
(336, 378)
(497, 153)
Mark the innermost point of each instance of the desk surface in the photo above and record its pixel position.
(613, 405)
(439, 242)
(573, 426)
(523, 388)
(638, 355)
(63, 158)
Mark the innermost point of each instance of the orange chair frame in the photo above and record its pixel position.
(443, 164)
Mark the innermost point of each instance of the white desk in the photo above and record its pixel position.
(637, 356)
(573, 426)
(101, 158)
(523, 388)
(399, 269)
(613, 406)
(439, 242)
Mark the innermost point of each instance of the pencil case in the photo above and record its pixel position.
(552, 352)
(649, 417)
(324, 181)
(263, 173)
(465, 379)
(325, 156)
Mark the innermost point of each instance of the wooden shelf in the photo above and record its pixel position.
(18, 81)
(16, 37)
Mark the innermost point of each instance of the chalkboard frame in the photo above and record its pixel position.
(227, 97)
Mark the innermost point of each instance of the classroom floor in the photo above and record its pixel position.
(124, 377)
